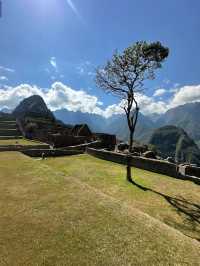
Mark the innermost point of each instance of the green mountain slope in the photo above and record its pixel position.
(174, 142)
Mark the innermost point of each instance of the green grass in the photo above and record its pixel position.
(19, 142)
(79, 210)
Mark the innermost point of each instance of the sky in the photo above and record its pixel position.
(52, 48)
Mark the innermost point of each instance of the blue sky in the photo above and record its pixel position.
(55, 46)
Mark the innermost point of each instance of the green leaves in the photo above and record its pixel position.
(126, 71)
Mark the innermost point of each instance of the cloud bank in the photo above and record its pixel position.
(186, 94)
(60, 96)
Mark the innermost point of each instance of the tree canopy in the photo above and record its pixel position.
(126, 72)
(124, 76)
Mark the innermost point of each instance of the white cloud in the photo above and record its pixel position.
(3, 78)
(113, 109)
(186, 94)
(6, 69)
(11, 96)
(173, 90)
(54, 63)
(60, 96)
(159, 92)
(146, 104)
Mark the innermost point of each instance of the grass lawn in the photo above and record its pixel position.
(18, 142)
(79, 210)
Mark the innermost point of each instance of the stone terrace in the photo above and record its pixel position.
(9, 129)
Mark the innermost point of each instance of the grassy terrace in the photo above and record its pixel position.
(79, 210)
(19, 142)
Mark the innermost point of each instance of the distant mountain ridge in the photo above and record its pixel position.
(6, 110)
(185, 116)
(117, 125)
(114, 125)
(95, 122)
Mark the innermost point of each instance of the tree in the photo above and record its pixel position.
(124, 74)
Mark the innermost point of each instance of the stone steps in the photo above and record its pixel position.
(8, 126)
(3, 119)
(9, 132)
(8, 129)
(10, 137)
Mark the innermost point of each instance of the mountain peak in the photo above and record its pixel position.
(33, 106)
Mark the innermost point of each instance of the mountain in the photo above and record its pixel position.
(186, 116)
(154, 117)
(114, 125)
(172, 141)
(33, 106)
(6, 110)
(96, 123)
(6, 116)
(117, 125)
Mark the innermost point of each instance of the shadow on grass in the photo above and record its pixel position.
(190, 210)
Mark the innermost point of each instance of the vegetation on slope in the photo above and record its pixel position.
(174, 142)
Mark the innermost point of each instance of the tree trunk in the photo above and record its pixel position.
(132, 120)
(128, 158)
(128, 169)
(130, 141)
(132, 131)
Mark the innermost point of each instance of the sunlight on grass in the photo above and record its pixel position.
(19, 142)
(79, 210)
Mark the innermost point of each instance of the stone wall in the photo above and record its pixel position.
(22, 147)
(192, 171)
(60, 140)
(152, 165)
(157, 166)
(109, 141)
(94, 144)
(50, 152)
